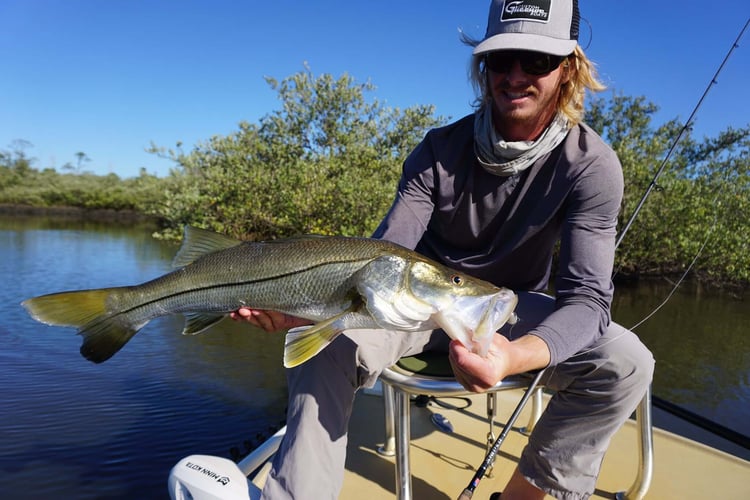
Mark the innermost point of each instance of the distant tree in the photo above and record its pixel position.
(328, 161)
(16, 167)
(80, 159)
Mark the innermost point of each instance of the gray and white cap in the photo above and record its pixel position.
(549, 26)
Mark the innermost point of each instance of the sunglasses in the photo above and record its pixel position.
(532, 63)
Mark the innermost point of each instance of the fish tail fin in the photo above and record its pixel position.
(68, 308)
(302, 343)
(104, 332)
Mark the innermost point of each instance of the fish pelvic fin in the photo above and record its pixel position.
(198, 242)
(104, 333)
(304, 342)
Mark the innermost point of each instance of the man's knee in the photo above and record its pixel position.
(616, 367)
(635, 363)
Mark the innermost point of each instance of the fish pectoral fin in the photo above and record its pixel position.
(304, 342)
(196, 323)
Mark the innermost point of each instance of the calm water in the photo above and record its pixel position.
(71, 429)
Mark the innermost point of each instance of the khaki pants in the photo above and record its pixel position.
(597, 390)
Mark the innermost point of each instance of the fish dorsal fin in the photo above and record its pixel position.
(198, 242)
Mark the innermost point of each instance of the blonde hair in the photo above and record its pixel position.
(582, 76)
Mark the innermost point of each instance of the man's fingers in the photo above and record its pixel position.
(255, 317)
(264, 320)
(270, 321)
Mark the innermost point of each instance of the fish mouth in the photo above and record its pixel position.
(474, 320)
(499, 312)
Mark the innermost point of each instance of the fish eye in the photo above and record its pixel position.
(457, 280)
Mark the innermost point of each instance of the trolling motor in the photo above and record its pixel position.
(205, 477)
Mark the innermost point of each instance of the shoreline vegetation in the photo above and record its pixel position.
(130, 217)
(328, 161)
(79, 213)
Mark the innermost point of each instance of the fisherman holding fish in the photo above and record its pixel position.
(490, 195)
(479, 211)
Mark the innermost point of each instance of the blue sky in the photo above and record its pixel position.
(109, 77)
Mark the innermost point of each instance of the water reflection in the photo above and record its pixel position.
(701, 345)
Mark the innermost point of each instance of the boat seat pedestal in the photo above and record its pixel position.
(430, 374)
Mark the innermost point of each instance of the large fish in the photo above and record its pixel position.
(337, 282)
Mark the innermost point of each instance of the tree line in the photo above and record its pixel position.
(328, 159)
(21, 184)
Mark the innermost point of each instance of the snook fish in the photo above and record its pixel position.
(337, 282)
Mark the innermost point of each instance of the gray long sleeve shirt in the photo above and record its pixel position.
(504, 229)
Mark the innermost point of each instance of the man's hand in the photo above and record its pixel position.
(270, 321)
(474, 372)
(504, 358)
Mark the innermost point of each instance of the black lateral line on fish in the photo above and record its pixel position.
(225, 285)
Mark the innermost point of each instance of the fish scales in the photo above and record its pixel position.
(257, 275)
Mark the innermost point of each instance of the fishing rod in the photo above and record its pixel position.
(653, 184)
(469, 490)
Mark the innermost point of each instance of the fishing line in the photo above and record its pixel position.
(656, 309)
(674, 288)
(669, 295)
(654, 184)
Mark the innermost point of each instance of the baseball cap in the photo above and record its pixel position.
(549, 26)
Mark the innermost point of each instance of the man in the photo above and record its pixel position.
(491, 195)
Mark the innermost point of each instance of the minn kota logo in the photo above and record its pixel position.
(223, 480)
